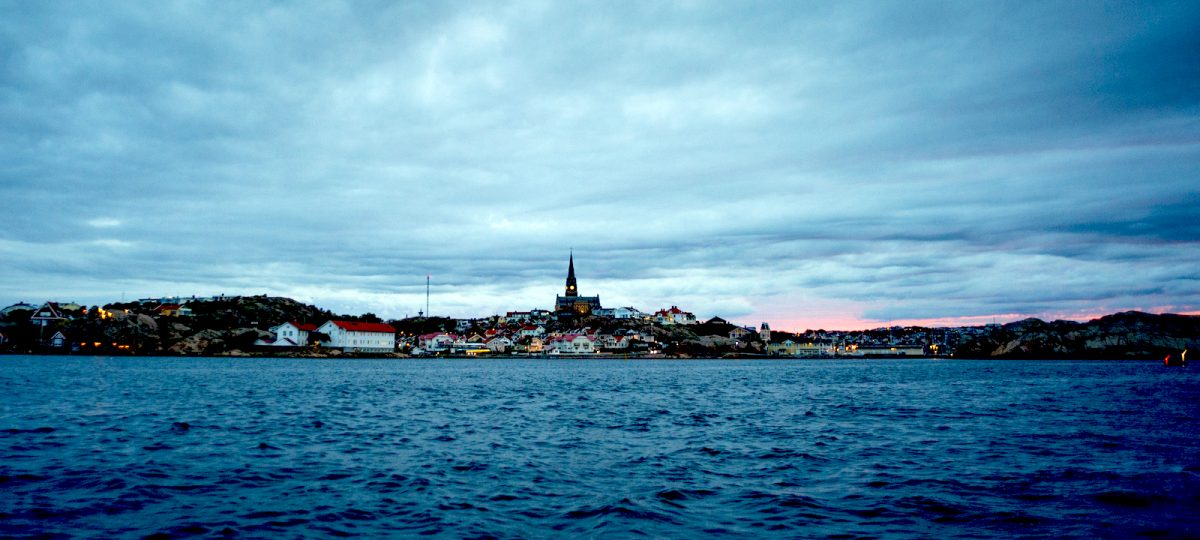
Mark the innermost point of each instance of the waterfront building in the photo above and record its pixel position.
(353, 336)
(816, 349)
(499, 344)
(572, 344)
(764, 333)
(435, 341)
(470, 348)
(786, 347)
(531, 344)
(612, 342)
(888, 350)
(289, 334)
(570, 303)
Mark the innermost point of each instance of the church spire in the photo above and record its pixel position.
(572, 290)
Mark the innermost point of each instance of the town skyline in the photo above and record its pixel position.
(591, 304)
(812, 165)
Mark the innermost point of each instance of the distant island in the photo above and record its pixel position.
(275, 326)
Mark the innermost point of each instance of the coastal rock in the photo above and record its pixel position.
(244, 338)
(202, 342)
(176, 331)
(147, 322)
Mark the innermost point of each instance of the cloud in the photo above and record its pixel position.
(872, 162)
(104, 223)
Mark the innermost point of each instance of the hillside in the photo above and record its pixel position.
(1130, 334)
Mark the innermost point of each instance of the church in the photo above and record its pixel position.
(571, 303)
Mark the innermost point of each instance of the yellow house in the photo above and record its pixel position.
(168, 310)
(786, 347)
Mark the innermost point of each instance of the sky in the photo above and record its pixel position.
(809, 164)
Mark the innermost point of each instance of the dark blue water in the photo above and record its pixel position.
(285, 447)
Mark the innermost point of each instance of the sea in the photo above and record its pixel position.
(538, 448)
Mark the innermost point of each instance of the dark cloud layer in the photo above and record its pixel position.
(870, 161)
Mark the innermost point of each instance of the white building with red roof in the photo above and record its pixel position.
(610, 341)
(354, 336)
(436, 341)
(674, 315)
(289, 334)
(572, 344)
(530, 330)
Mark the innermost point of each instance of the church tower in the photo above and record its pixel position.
(572, 290)
(571, 304)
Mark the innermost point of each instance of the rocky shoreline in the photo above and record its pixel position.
(231, 328)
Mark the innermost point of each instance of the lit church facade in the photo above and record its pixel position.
(571, 303)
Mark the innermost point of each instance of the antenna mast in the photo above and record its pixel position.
(426, 295)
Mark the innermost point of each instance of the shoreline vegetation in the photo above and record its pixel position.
(248, 326)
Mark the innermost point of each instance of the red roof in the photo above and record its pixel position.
(354, 326)
(307, 327)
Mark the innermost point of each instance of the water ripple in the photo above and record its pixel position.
(168, 447)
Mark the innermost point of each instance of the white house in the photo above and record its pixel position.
(353, 336)
(289, 334)
(436, 341)
(500, 344)
(572, 344)
(674, 315)
(610, 341)
(518, 316)
(627, 313)
(530, 330)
